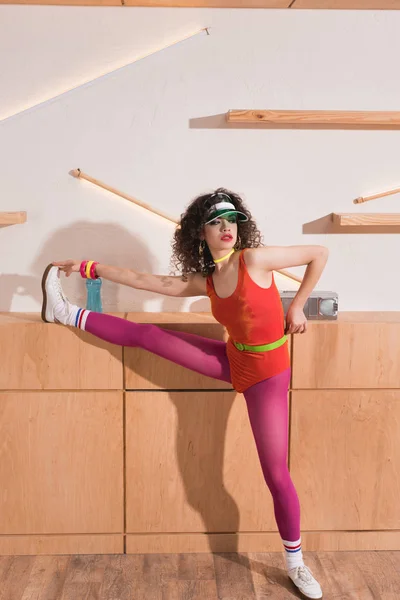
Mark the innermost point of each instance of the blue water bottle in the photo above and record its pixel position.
(93, 299)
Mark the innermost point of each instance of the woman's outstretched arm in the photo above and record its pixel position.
(160, 284)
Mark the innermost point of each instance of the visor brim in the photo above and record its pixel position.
(241, 216)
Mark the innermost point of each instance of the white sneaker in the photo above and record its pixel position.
(304, 580)
(56, 307)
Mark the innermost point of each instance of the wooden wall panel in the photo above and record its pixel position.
(11, 545)
(45, 356)
(348, 4)
(162, 3)
(344, 458)
(193, 479)
(212, 3)
(66, 2)
(347, 355)
(61, 462)
(144, 370)
(313, 4)
(192, 465)
(312, 541)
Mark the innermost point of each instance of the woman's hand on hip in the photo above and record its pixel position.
(296, 320)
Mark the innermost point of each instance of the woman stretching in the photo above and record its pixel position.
(218, 250)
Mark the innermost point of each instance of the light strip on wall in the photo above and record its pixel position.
(204, 30)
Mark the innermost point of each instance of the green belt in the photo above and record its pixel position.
(263, 347)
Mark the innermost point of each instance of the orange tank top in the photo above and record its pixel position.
(251, 315)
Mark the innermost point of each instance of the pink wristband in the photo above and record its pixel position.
(93, 274)
(82, 268)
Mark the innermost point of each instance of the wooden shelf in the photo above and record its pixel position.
(12, 218)
(348, 4)
(359, 119)
(355, 223)
(162, 3)
(286, 4)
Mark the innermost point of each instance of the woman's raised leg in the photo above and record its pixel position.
(203, 355)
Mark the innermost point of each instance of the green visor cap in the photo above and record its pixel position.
(225, 212)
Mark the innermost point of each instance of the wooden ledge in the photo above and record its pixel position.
(162, 3)
(284, 4)
(12, 318)
(355, 223)
(316, 117)
(12, 218)
(17, 318)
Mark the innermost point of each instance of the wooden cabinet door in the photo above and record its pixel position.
(347, 355)
(43, 356)
(61, 466)
(144, 370)
(345, 457)
(192, 465)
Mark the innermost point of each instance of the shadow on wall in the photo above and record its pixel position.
(201, 472)
(106, 243)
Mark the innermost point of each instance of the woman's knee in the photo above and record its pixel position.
(278, 478)
(136, 334)
(145, 334)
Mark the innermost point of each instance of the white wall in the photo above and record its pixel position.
(151, 130)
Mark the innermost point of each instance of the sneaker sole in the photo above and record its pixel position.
(44, 303)
(300, 593)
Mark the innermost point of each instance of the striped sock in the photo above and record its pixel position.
(77, 317)
(293, 554)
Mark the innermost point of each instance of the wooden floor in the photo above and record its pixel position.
(343, 575)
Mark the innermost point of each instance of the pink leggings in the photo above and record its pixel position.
(266, 401)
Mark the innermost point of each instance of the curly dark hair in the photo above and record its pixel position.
(185, 244)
